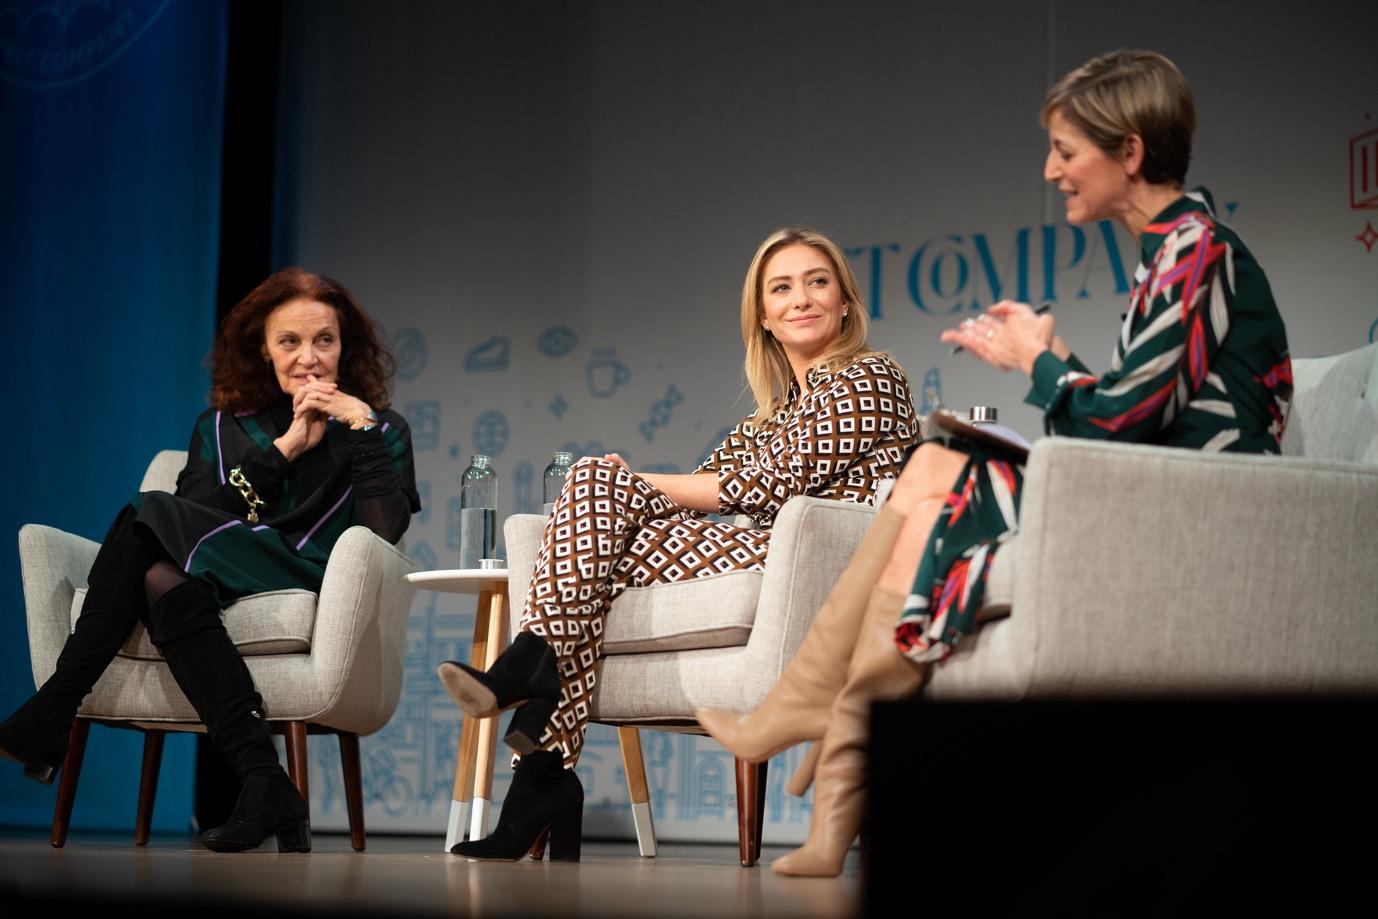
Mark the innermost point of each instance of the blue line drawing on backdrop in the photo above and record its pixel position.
(524, 500)
(661, 468)
(423, 491)
(558, 406)
(452, 524)
(423, 416)
(409, 350)
(932, 390)
(605, 374)
(454, 451)
(718, 438)
(493, 354)
(37, 57)
(660, 412)
(703, 780)
(1373, 331)
(592, 448)
(490, 433)
(557, 341)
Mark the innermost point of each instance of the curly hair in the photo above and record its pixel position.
(239, 380)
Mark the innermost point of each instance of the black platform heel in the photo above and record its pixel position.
(543, 795)
(268, 805)
(526, 672)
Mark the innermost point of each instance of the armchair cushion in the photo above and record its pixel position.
(709, 612)
(273, 622)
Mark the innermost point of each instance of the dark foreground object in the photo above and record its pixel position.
(1123, 808)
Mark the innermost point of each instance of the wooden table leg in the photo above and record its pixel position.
(634, 766)
(495, 611)
(463, 792)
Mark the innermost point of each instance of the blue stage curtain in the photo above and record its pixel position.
(110, 158)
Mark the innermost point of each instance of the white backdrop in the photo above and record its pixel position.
(551, 206)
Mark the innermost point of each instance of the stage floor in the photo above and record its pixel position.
(406, 875)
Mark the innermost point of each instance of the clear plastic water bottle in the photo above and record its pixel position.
(478, 512)
(554, 480)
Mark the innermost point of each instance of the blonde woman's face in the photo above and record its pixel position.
(801, 301)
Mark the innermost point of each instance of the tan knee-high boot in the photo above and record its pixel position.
(797, 707)
(877, 673)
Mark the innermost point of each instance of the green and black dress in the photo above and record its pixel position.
(1201, 362)
(350, 477)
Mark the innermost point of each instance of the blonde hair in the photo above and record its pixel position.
(1131, 92)
(768, 369)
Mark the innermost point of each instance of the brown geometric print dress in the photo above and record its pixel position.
(611, 529)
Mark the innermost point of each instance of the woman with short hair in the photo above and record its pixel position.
(1201, 362)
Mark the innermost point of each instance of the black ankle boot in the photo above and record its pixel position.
(544, 794)
(36, 735)
(269, 805)
(525, 672)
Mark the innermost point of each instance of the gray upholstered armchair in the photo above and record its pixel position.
(1144, 570)
(327, 664)
(714, 642)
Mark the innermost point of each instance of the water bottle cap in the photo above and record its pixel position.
(562, 457)
(479, 460)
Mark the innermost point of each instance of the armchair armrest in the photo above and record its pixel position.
(811, 543)
(1148, 570)
(54, 565)
(361, 631)
(523, 533)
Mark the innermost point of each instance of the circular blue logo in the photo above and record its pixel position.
(557, 341)
(45, 44)
(490, 433)
(409, 350)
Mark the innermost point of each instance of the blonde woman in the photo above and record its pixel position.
(1201, 362)
(833, 418)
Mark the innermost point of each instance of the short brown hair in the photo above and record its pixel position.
(1131, 92)
(239, 380)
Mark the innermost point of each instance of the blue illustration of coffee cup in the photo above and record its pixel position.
(605, 373)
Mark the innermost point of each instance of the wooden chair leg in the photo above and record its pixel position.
(762, 771)
(634, 766)
(148, 785)
(354, 788)
(294, 732)
(67, 783)
(750, 810)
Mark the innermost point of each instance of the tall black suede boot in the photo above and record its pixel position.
(186, 626)
(544, 794)
(36, 735)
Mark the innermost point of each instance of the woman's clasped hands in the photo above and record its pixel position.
(312, 405)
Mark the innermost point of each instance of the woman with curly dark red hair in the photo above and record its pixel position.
(298, 446)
